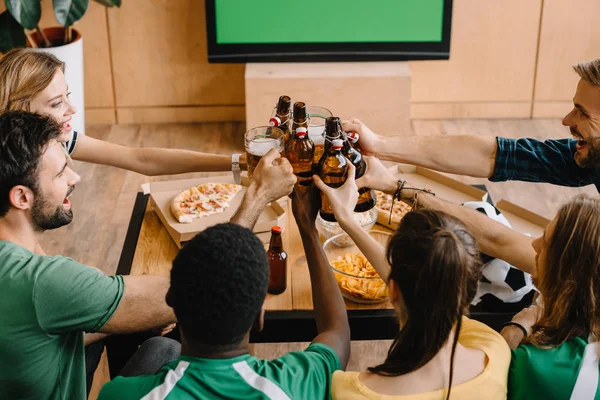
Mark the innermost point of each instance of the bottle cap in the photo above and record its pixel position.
(354, 137)
(301, 132)
(337, 144)
(276, 229)
(275, 121)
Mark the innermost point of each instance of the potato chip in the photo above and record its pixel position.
(366, 285)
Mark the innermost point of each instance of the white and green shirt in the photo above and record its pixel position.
(296, 375)
(566, 372)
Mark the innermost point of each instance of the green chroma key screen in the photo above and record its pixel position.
(319, 29)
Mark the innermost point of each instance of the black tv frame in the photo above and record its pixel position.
(326, 52)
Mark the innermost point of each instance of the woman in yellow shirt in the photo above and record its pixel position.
(432, 267)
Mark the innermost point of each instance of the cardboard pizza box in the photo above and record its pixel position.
(522, 220)
(443, 186)
(161, 194)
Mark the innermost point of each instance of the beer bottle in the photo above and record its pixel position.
(366, 196)
(277, 263)
(282, 116)
(332, 132)
(333, 169)
(300, 149)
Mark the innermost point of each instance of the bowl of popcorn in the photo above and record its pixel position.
(357, 279)
(333, 231)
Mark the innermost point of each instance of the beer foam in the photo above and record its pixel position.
(261, 146)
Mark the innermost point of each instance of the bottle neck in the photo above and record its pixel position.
(276, 243)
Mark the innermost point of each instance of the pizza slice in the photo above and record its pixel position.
(384, 204)
(203, 200)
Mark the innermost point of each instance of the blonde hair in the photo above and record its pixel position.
(589, 71)
(24, 73)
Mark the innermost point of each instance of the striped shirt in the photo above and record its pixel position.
(566, 372)
(550, 161)
(296, 375)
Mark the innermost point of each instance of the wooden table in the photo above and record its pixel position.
(149, 249)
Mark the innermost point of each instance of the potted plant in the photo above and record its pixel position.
(19, 27)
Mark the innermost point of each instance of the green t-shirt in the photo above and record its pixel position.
(297, 375)
(46, 303)
(569, 371)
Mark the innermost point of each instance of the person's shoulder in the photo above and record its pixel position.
(475, 334)
(346, 385)
(131, 388)
(316, 355)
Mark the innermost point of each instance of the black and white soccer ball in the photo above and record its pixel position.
(500, 281)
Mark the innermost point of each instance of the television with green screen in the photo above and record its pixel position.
(240, 31)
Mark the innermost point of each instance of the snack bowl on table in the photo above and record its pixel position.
(357, 279)
(328, 229)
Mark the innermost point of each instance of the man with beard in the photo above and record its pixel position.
(566, 162)
(47, 302)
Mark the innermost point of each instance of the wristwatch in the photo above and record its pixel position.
(235, 167)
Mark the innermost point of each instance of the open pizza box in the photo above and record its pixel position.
(444, 187)
(161, 194)
(522, 220)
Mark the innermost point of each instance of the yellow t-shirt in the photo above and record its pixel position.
(489, 385)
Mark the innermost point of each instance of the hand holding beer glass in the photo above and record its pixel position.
(258, 141)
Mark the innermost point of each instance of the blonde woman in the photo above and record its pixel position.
(35, 81)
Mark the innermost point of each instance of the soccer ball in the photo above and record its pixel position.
(500, 281)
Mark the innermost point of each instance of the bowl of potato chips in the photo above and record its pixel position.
(357, 279)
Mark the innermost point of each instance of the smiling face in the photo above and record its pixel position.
(56, 181)
(54, 101)
(584, 124)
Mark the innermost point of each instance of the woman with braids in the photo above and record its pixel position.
(432, 267)
(555, 345)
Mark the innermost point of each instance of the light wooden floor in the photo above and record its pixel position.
(103, 200)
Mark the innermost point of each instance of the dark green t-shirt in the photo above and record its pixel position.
(46, 303)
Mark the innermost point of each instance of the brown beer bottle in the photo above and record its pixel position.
(277, 263)
(333, 169)
(366, 196)
(282, 116)
(300, 150)
(332, 132)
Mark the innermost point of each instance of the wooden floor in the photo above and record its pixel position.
(103, 200)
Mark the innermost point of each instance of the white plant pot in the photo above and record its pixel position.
(72, 55)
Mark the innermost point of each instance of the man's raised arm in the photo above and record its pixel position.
(458, 154)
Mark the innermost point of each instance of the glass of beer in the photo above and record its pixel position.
(316, 129)
(258, 141)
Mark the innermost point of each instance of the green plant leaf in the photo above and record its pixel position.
(109, 3)
(11, 33)
(67, 12)
(25, 12)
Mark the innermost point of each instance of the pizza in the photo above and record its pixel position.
(384, 204)
(202, 201)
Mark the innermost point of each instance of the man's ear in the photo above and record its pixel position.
(21, 197)
(259, 323)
